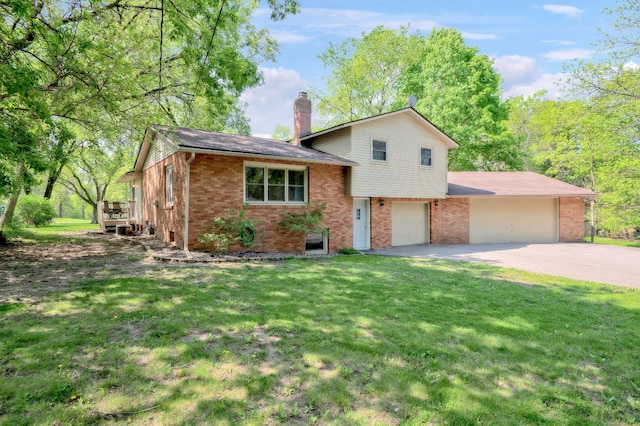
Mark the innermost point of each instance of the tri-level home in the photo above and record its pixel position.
(384, 181)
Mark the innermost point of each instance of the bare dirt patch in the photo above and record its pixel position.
(29, 272)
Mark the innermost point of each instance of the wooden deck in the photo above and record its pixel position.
(110, 219)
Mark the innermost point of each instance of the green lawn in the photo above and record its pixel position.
(54, 232)
(342, 340)
(615, 241)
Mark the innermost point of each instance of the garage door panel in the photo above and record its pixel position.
(517, 220)
(409, 224)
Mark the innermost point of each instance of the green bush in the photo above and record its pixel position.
(34, 211)
(348, 250)
(232, 228)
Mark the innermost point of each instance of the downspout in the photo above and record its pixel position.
(186, 205)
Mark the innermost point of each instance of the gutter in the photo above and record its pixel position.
(186, 205)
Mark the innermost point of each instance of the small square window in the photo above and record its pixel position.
(425, 156)
(378, 150)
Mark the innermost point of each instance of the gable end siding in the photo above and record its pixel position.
(161, 148)
(402, 175)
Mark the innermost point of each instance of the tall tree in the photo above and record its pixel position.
(365, 73)
(119, 64)
(459, 91)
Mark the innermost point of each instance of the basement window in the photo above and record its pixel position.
(315, 243)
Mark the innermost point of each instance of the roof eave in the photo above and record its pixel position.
(264, 156)
(449, 142)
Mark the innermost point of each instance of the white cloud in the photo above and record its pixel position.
(568, 55)
(516, 69)
(477, 36)
(560, 9)
(559, 42)
(631, 65)
(553, 84)
(272, 103)
(288, 37)
(522, 76)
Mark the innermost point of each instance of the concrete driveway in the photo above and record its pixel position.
(590, 262)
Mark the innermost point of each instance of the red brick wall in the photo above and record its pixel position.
(217, 186)
(166, 219)
(571, 219)
(380, 225)
(450, 221)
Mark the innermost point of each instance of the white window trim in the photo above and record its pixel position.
(420, 157)
(386, 144)
(278, 166)
(168, 183)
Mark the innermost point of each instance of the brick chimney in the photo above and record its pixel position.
(301, 117)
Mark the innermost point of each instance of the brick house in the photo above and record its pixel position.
(384, 180)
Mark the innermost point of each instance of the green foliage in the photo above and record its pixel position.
(456, 89)
(580, 142)
(365, 74)
(34, 211)
(234, 227)
(108, 70)
(348, 251)
(305, 222)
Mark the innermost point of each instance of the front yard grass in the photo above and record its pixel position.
(341, 340)
(615, 241)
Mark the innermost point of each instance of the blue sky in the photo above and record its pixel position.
(528, 41)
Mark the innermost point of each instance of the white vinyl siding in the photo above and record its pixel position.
(274, 183)
(161, 148)
(337, 143)
(403, 176)
(513, 220)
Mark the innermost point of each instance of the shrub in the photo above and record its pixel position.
(32, 210)
(348, 250)
(305, 222)
(234, 227)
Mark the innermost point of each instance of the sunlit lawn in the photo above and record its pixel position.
(57, 231)
(615, 241)
(343, 340)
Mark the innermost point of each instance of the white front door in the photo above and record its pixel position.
(361, 224)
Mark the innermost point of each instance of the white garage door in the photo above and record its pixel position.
(409, 224)
(513, 220)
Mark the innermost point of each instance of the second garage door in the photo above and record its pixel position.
(409, 224)
(513, 220)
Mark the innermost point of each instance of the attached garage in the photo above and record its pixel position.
(410, 223)
(510, 207)
(513, 220)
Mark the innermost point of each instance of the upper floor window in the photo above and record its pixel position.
(168, 184)
(379, 150)
(275, 184)
(425, 156)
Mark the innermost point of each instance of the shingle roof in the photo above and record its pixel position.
(510, 184)
(221, 143)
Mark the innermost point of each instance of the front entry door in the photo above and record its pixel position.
(361, 224)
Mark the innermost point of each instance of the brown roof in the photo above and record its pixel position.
(224, 143)
(510, 184)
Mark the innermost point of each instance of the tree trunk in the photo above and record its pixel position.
(94, 213)
(7, 217)
(51, 181)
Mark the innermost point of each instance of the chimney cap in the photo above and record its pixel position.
(302, 94)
